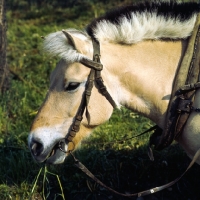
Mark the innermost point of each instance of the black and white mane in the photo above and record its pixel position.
(129, 25)
(133, 23)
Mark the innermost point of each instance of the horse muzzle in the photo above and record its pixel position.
(54, 153)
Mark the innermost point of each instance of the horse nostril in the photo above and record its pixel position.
(36, 148)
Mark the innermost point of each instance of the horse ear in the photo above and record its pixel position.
(70, 38)
(74, 41)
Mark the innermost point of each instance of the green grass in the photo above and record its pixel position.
(123, 166)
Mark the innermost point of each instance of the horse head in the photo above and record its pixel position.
(67, 85)
(142, 49)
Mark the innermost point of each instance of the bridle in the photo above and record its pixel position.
(94, 77)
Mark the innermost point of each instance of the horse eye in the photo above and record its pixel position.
(72, 86)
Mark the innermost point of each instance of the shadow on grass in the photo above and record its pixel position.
(132, 171)
(127, 171)
(17, 172)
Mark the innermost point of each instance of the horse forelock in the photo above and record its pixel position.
(56, 44)
(159, 20)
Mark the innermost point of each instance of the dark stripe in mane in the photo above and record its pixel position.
(171, 9)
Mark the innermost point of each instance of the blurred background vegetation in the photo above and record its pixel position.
(123, 166)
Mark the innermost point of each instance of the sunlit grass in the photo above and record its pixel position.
(45, 179)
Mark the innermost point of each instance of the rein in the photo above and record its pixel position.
(84, 169)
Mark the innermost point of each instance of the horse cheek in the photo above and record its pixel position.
(100, 109)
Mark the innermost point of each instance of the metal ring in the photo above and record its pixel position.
(60, 147)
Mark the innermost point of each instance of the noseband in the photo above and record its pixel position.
(94, 77)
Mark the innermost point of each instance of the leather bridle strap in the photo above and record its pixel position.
(94, 76)
(139, 194)
(98, 79)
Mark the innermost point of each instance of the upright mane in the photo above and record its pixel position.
(129, 25)
(134, 23)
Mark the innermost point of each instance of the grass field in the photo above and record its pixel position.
(124, 166)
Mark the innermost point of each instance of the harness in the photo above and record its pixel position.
(183, 93)
(179, 109)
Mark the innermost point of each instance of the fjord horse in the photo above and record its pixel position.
(141, 48)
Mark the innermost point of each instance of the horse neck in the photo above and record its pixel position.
(140, 76)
